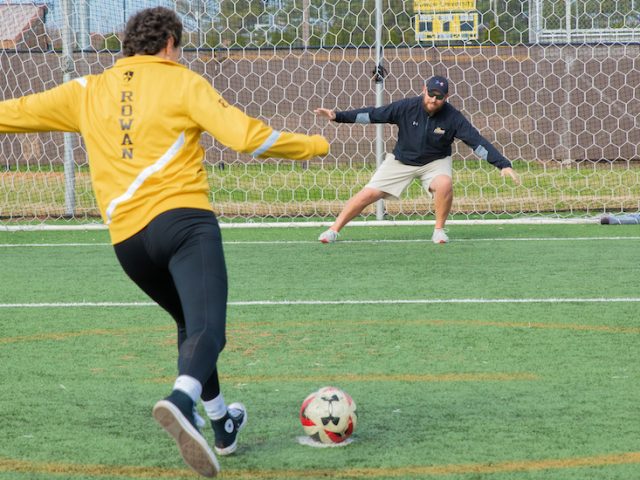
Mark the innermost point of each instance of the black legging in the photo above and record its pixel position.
(177, 260)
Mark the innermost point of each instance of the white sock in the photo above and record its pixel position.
(188, 385)
(215, 408)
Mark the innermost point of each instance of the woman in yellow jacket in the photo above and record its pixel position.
(141, 121)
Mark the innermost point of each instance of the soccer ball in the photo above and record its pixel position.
(328, 415)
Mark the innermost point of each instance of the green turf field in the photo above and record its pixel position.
(510, 353)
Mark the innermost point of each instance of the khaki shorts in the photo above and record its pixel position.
(393, 177)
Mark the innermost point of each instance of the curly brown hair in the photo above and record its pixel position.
(148, 31)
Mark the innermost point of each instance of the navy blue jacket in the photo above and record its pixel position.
(423, 138)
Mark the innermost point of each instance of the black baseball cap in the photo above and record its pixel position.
(439, 84)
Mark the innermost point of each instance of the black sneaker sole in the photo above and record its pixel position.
(193, 447)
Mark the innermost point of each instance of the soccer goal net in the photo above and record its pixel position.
(551, 83)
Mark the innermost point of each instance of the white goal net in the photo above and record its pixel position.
(552, 83)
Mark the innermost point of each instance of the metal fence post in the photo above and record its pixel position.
(67, 69)
(379, 79)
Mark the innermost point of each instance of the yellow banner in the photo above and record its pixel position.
(425, 6)
(446, 26)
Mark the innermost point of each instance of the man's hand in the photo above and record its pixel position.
(325, 112)
(508, 171)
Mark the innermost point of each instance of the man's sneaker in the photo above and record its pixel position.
(226, 429)
(175, 415)
(439, 236)
(328, 236)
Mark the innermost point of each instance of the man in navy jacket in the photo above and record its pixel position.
(427, 125)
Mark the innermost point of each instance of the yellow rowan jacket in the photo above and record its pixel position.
(141, 121)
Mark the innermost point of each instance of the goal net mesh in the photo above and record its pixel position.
(552, 84)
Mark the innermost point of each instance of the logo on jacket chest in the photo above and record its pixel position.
(437, 130)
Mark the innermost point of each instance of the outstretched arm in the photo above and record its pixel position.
(485, 150)
(56, 109)
(366, 115)
(237, 130)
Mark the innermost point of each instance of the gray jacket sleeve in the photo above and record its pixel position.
(480, 145)
(384, 114)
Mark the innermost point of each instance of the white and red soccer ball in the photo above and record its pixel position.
(328, 415)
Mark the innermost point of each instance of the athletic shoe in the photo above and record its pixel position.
(439, 236)
(175, 415)
(328, 236)
(226, 429)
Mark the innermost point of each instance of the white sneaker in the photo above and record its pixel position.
(328, 236)
(439, 236)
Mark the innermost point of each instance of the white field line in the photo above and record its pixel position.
(419, 301)
(47, 245)
(315, 242)
(371, 223)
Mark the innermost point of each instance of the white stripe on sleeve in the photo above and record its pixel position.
(267, 144)
(144, 174)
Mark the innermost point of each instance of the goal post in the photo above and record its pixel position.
(551, 83)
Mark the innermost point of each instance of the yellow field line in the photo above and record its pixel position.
(516, 325)
(472, 323)
(68, 469)
(39, 337)
(375, 377)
